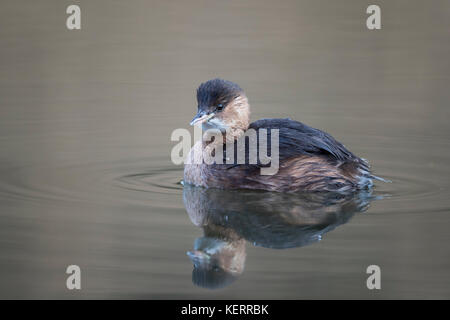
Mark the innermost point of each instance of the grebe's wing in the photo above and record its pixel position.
(309, 159)
(296, 138)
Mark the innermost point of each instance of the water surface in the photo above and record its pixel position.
(85, 171)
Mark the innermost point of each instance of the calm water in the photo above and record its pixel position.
(85, 170)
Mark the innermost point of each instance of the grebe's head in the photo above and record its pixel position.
(222, 105)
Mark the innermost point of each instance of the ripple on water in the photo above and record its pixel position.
(418, 170)
(154, 181)
(104, 183)
(160, 180)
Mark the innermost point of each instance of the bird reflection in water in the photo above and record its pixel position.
(230, 218)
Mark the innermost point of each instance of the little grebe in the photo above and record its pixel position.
(309, 159)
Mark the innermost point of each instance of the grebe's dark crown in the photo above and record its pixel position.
(217, 93)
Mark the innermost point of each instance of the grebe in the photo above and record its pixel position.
(309, 159)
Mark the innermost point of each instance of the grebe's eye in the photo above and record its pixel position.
(220, 107)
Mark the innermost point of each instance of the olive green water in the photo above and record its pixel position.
(85, 170)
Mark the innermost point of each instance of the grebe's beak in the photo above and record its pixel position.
(201, 117)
